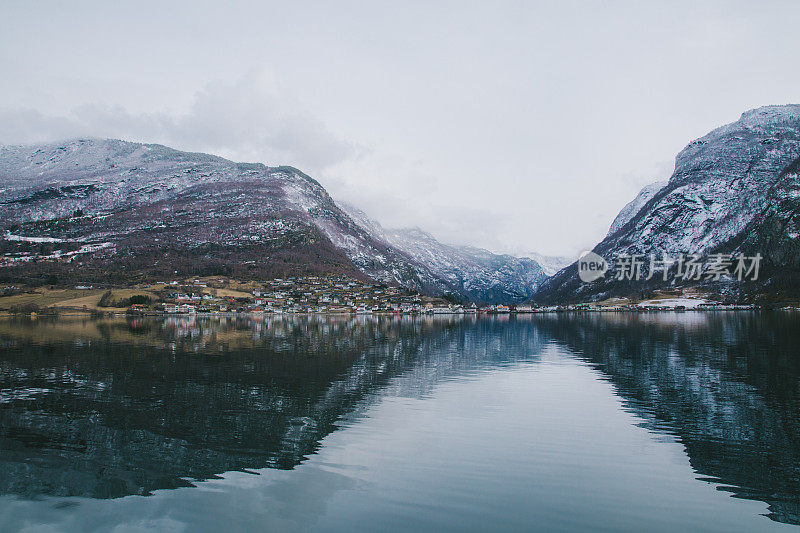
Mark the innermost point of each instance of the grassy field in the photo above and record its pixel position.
(70, 299)
(233, 293)
(87, 300)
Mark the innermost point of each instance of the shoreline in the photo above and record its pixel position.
(710, 309)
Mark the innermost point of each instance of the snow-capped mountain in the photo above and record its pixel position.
(126, 211)
(735, 190)
(481, 275)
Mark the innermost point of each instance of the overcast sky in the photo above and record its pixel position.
(509, 125)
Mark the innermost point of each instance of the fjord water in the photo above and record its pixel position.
(614, 421)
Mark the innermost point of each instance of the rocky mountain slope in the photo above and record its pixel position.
(634, 206)
(735, 190)
(126, 210)
(102, 210)
(481, 275)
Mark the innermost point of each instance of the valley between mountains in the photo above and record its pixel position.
(112, 212)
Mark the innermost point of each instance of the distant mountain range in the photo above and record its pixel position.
(734, 191)
(477, 273)
(550, 263)
(111, 210)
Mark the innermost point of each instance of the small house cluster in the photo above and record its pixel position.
(297, 294)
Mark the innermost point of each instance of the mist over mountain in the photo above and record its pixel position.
(550, 263)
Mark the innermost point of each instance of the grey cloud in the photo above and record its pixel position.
(546, 117)
(252, 118)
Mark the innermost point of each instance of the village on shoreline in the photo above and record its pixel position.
(298, 295)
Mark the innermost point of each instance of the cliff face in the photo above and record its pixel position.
(733, 190)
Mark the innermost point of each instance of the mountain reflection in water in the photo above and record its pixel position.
(109, 408)
(726, 384)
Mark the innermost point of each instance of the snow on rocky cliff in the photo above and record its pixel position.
(731, 191)
(634, 206)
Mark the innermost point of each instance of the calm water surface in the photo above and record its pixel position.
(658, 421)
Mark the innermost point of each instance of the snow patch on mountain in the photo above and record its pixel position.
(634, 206)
